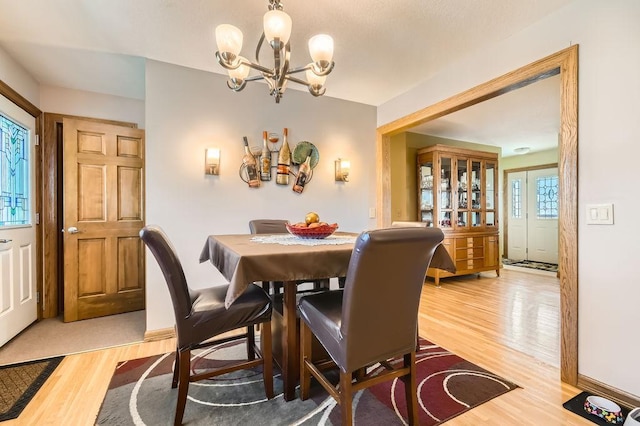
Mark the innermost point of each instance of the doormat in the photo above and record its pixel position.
(551, 267)
(20, 382)
(140, 393)
(576, 405)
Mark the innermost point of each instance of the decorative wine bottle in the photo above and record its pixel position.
(303, 175)
(265, 159)
(251, 165)
(284, 160)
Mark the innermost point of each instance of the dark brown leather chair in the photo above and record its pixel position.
(201, 315)
(373, 319)
(278, 226)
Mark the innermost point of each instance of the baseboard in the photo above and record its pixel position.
(161, 334)
(620, 397)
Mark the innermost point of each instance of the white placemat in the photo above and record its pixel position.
(291, 240)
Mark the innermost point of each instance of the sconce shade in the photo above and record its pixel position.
(277, 24)
(212, 161)
(343, 167)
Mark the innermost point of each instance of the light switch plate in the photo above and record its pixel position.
(599, 214)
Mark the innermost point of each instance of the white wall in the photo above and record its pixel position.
(608, 34)
(14, 75)
(188, 111)
(89, 104)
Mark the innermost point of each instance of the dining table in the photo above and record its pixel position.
(247, 258)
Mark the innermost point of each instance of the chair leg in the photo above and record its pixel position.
(410, 388)
(346, 398)
(176, 370)
(305, 353)
(267, 358)
(341, 281)
(251, 343)
(321, 285)
(183, 384)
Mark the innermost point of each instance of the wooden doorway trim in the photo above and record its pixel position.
(564, 63)
(52, 218)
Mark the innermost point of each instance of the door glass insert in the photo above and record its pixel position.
(516, 199)
(14, 173)
(547, 197)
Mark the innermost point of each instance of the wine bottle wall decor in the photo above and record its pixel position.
(291, 167)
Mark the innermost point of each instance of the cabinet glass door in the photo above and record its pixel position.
(445, 200)
(462, 191)
(476, 193)
(426, 193)
(491, 173)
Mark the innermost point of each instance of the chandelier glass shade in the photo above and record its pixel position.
(276, 32)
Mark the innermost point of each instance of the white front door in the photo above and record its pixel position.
(543, 215)
(517, 219)
(18, 300)
(532, 231)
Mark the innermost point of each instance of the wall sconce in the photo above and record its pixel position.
(343, 167)
(212, 161)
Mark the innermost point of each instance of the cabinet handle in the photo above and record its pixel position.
(4, 241)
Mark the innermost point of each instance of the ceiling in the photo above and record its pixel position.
(382, 48)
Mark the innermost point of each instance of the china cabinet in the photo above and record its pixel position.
(457, 192)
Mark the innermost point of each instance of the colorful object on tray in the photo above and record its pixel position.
(603, 408)
(318, 230)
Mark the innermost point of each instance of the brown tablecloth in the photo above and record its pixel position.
(242, 261)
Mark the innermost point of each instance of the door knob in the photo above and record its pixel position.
(72, 230)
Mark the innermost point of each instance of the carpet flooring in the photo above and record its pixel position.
(20, 382)
(140, 394)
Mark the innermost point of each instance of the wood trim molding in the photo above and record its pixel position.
(565, 64)
(620, 397)
(161, 334)
(18, 99)
(505, 201)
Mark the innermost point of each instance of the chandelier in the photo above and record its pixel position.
(276, 31)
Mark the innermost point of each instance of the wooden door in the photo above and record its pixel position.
(103, 213)
(18, 296)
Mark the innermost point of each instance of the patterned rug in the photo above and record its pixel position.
(551, 267)
(140, 394)
(20, 382)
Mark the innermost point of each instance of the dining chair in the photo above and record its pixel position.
(279, 226)
(201, 316)
(373, 320)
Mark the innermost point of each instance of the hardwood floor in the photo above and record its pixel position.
(489, 321)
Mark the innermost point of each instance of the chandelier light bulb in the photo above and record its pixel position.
(321, 49)
(277, 24)
(314, 79)
(229, 39)
(241, 72)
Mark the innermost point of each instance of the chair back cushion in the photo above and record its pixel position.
(162, 249)
(382, 292)
(268, 226)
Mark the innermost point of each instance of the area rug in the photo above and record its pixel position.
(576, 406)
(551, 267)
(20, 382)
(140, 394)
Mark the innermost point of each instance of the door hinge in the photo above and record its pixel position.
(37, 218)
(37, 297)
(37, 140)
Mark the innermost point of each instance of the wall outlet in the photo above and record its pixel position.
(372, 212)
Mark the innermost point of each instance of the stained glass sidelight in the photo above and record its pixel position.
(516, 199)
(547, 197)
(14, 173)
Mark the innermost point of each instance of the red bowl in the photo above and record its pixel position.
(318, 232)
